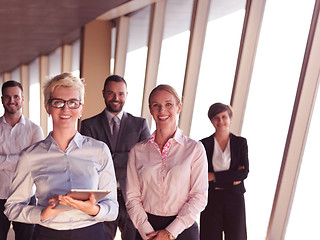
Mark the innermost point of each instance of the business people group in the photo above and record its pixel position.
(161, 203)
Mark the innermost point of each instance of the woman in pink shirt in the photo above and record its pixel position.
(167, 175)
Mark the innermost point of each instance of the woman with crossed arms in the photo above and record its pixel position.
(167, 175)
(228, 167)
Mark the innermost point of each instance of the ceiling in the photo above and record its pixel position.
(29, 28)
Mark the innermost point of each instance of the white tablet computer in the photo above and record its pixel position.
(83, 194)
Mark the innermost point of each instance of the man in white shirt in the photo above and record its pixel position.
(16, 133)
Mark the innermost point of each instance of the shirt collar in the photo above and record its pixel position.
(110, 115)
(21, 120)
(177, 137)
(2, 120)
(77, 139)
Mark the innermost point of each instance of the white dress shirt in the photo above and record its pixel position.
(12, 141)
(85, 164)
(110, 118)
(168, 183)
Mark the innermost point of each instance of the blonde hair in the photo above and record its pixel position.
(63, 80)
(165, 87)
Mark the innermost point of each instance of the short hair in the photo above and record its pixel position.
(11, 83)
(165, 87)
(114, 78)
(63, 80)
(217, 108)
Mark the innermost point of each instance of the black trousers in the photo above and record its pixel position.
(95, 232)
(225, 213)
(123, 221)
(160, 222)
(22, 231)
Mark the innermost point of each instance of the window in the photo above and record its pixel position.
(175, 43)
(34, 92)
(219, 60)
(273, 87)
(15, 74)
(136, 60)
(55, 62)
(303, 220)
(75, 64)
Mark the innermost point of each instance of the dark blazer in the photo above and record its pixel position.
(132, 130)
(239, 157)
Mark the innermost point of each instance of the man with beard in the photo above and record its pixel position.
(120, 131)
(16, 133)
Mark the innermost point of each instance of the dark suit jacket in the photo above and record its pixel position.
(132, 130)
(239, 157)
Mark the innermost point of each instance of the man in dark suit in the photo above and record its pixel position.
(120, 131)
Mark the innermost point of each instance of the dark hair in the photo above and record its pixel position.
(11, 83)
(217, 108)
(114, 78)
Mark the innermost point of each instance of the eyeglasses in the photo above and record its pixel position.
(59, 103)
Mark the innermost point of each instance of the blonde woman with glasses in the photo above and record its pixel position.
(65, 160)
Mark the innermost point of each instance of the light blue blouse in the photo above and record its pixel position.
(86, 164)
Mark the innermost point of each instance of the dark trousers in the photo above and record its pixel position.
(225, 213)
(95, 232)
(160, 222)
(123, 221)
(22, 231)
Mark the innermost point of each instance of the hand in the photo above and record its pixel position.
(158, 235)
(152, 235)
(241, 167)
(49, 210)
(89, 206)
(211, 177)
(238, 182)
